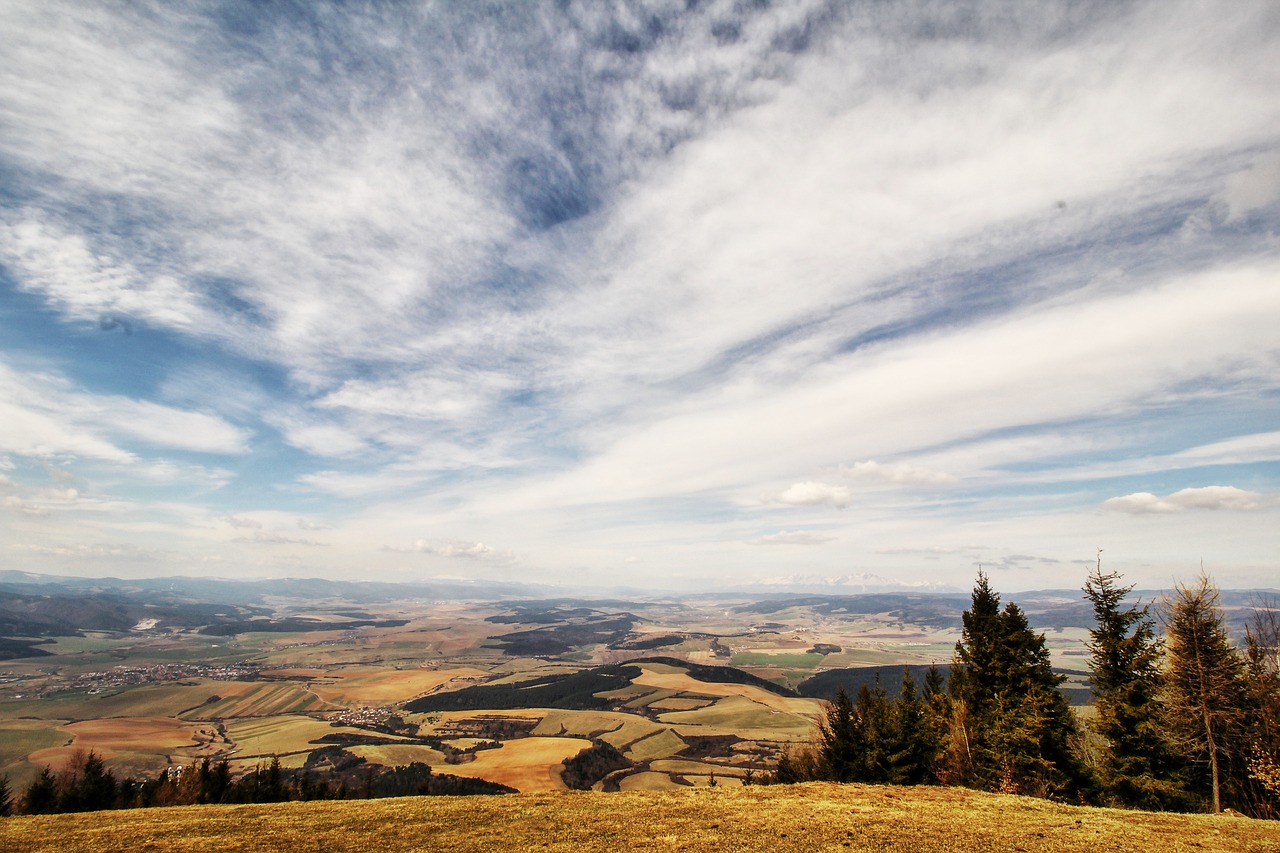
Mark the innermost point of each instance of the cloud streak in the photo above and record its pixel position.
(546, 276)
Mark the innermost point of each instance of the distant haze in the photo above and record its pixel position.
(805, 295)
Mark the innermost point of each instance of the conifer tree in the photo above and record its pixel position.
(6, 797)
(1138, 765)
(41, 796)
(841, 741)
(877, 734)
(914, 750)
(1262, 648)
(1011, 726)
(1205, 677)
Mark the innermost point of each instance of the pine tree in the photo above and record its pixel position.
(1011, 727)
(935, 724)
(878, 734)
(842, 742)
(1138, 765)
(6, 797)
(914, 750)
(41, 796)
(1205, 677)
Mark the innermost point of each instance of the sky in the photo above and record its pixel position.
(663, 295)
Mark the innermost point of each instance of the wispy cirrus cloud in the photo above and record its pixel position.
(489, 268)
(793, 537)
(46, 415)
(900, 474)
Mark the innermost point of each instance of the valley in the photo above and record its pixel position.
(697, 691)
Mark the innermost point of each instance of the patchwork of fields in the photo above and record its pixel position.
(153, 698)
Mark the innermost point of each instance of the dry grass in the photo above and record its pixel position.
(528, 764)
(369, 686)
(132, 743)
(658, 675)
(779, 819)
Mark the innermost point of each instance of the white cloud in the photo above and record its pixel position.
(87, 285)
(13, 503)
(457, 548)
(43, 415)
(811, 493)
(326, 440)
(123, 552)
(164, 426)
(169, 472)
(794, 537)
(1253, 189)
(1036, 367)
(263, 538)
(243, 523)
(900, 474)
(824, 238)
(427, 396)
(1206, 497)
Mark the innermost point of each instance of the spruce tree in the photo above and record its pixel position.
(842, 741)
(41, 796)
(1138, 765)
(1207, 693)
(1011, 727)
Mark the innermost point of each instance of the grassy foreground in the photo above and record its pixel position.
(807, 817)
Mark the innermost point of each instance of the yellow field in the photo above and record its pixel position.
(527, 764)
(671, 678)
(661, 744)
(614, 727)
(373, 687)
(678, 703)
(160, 700)
(745, 718)
(267, 736)
(19, 738)
(259, 699)
(398, 755)
(781, 819)
(647, 781)
(697, 768)
(133, 742)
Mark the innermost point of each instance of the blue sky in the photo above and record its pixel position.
(800, 294)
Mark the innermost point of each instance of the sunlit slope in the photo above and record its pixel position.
(777, 819)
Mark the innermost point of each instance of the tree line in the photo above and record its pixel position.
(1182, 720)
(85, 783)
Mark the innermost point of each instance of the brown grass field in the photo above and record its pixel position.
(812, 817)
(371, 686)
(529, 764)
(126, 742)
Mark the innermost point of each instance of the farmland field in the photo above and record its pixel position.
(134, 744)
(148, 698)
(357, 686)
(530, 764)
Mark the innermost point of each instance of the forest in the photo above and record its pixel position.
(1182, 719)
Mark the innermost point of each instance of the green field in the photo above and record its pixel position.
(789, 661)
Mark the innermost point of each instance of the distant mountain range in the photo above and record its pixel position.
(34, 607)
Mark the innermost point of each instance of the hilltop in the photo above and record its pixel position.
(806, 817)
